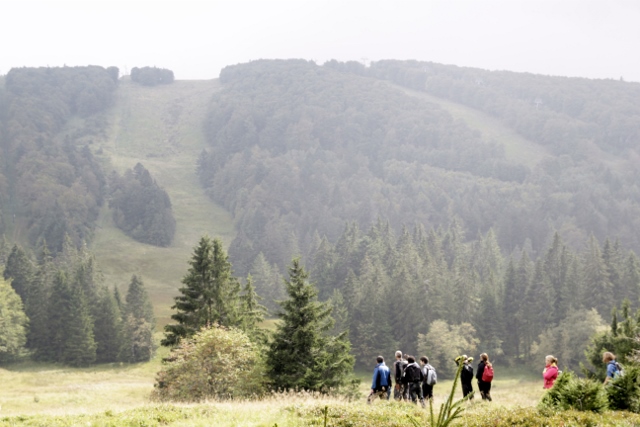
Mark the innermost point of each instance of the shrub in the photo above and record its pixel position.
(570, 392)
(216, 363)
(624, 392)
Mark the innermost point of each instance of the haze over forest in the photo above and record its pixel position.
(401, 185)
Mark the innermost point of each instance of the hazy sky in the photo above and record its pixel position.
(597, 39)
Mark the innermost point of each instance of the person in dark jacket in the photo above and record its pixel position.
(466, 375)
(414, 378)
(401, 391)
(483, 386)
(381, 384)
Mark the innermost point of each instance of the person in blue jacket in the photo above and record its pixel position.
(381, 384)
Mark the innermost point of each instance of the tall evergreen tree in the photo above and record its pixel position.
(108, 328)
(302, 355)
(210, 295)
(20, 270)
(139, 324)
(511, 307)
(252, 311)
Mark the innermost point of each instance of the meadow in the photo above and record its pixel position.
(118, 395)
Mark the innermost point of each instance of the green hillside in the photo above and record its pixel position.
(159, 127)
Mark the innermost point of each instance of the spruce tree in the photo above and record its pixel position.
(70, 325)
(139, 323)
(20, 271)
(108, 328)
(302, 354)
(210, 295)
(252, 311)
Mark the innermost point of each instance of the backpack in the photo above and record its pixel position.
(487, 374)
(619, 371)
(430, 377)
(412, 374)
(401, 365)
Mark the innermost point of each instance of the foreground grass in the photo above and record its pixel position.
(285, 411)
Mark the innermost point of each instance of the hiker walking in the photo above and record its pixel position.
(401, 390)
(484, 377)
(614, 369)
(430, 378)
(466, 375)
(381, 384)
(550, 372)
(414, 380)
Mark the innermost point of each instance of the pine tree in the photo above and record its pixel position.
(210, 295)
(597, 290)
(139, 323)
(108, 328)
(302, 355)
(20, 271)
(512, 303)
(70, 325)
(252, 311)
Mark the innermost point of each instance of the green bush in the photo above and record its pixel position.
(580, 394)
(624, 392)
(216, 363)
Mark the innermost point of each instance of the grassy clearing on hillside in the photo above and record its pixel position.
(161, 127)
(518, 149)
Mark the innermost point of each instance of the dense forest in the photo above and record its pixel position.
(141, 208)
(503, 254)
(70, 315)
(51, 183)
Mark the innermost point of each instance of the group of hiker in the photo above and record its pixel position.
(551, 372)
(414, 382)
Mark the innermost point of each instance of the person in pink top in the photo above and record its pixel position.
(550, 372)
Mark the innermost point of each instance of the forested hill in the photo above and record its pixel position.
(297, 149)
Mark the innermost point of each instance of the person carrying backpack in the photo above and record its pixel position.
(414, 379)
(614, 370)
(381, 384)
(401, 390)
(484, 377)
(466, 376)
(430, 378)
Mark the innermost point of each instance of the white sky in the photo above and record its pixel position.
(596, 39)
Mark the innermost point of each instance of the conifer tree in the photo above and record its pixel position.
(20, 270)
(210, 295)
(139, 323)
(70, 325)
(108, 328)
(302, 355)
(597, 290)
(512, 304)
(252, 311)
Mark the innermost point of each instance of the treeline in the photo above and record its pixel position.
(391, 289)
(50, 183)
(151, 76)
(72, 317)
(141, 208)
(296, 150)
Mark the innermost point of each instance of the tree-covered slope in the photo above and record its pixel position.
(298, 149)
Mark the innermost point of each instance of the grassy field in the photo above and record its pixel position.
(47, 395)
(518, 149)
(161, 127)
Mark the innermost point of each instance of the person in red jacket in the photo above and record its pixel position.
(550, 372)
